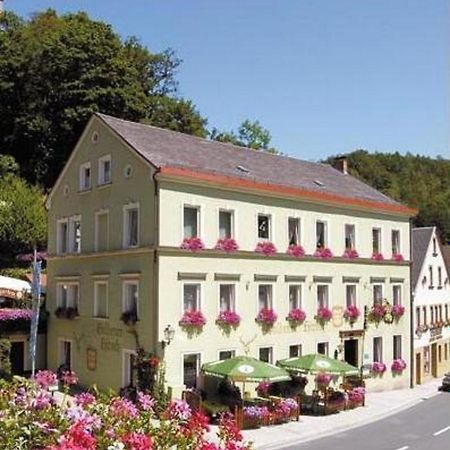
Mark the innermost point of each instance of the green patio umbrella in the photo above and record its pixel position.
(245, 368)
(315, 363)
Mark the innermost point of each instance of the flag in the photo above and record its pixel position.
(36, 297)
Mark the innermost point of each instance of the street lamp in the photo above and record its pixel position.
(169, 334)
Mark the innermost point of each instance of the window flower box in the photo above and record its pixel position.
(194, 244)
(297, 251)
(398, 366)
(66, 312)
(350, 253)
(228, 245)
(296, 316)
(323, 315)
(193, 320)
(267, 317)
(352, 313)
(266, 248)
(129, 317)
(228, 319)
(398, 311)
(376, 256)
(324, 253)
(398, 257)
(378, 368)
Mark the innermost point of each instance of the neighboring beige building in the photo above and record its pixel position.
(131, 193)
(431, 300)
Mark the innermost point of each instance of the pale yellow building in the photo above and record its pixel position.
(131, 193)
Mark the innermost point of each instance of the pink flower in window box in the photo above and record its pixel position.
(267, 316)
(194, 244)
(296, 251)
(228, 318)
(323, 314)
(193, 319)
(323, 253)
(352, 313)
(377, 312)
(350, 253)
(378, 367)
(398, 365)
(376, 256)
(398, 311)
(398, 257)
(323, 379)
(228, 245)
(296, 316)
(265, 247)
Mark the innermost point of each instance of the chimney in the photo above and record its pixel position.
(341, 163)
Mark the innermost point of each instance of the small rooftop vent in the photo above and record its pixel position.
(319, 183)
(242, 169)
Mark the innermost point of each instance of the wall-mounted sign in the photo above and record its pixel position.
(338, 316)
(91, 358)
(11, 293)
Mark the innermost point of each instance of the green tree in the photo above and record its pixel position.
(55, 71)
(249, 134)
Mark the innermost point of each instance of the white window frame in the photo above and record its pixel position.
(270, 226)
(129, 282)
(400, 299)
(394, 345)
(60, 348)
(355, 303)
(349, 224)
(126, 375)
(299, 300)
(270, 347)
(272, 298)
(327, 305)
(299, 230)
(59, 239)
(232, 222)
(223, 350)
(200, 294)
(101, 180)
(233, 300)
(72, 302)
(126, 225)
(373, 292)
(82, 177)
(199, 363)
(99, 213)
(298, 346)
(71, 234)
(96, 284)
(380, 339)
(327, 347)
(380, 239)
(325, 233)
(199, 219)
(399, 250)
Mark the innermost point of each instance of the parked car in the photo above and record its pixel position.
(445, 383)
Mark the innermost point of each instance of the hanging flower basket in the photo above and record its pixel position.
(296, 316)
(398, 257)
(352, 313)
(323, 379)
(398, 365)
(266, 317)
(297, 251)
(398, 311)
(323, 315)
(377, 312)
(323, 253)
(266, 248)
(377, 256)
(194, 244)
(378, 368)
(350, 253)
(263, 388)
(228, 319)
(228, 245)
(193, 319)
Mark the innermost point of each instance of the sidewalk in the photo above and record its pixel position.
(379, 406)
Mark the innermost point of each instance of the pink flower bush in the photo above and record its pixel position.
(352, 313)
(267, 316)
(228, 318)
(323, 314)
(323, 379)
(193, 319)
(398, 257)
(398, 365)
(263, 388)
(377, 256)
(266, 248)
(323, 253)
(350, 253)
(296, 315)
(378, 368)
(398, 311)
(357, 395)
(69, 378)
(46, 378)
(7, 314)
(296, 251)
(194, 244)
(228, 245)
(377, 312)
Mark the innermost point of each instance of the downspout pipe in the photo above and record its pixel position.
(411, 314)
(158, 347)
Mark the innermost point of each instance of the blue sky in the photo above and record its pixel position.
(324, 76)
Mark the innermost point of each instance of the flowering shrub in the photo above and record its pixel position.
(228, 245)
(228, 318)
(290, 403)
(350, 253)
(357, 395)
(31, 419)
(376, 256)
(296, 251)
(255, 412)
(194, 244)
(323, 314)
(263, 388)
(352, 313)
(323, 379)
(398, 365)
(378, 367)
(267, 316)
(7, 314)
(296, 316)
(192, 319)
(323, 253)
(398, 311)
(398, 257)
(266, 248)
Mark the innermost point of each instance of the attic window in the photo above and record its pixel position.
(319, 183)
(242, 169)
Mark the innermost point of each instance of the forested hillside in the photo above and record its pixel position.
(417, 181)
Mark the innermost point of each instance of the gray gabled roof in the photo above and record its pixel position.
(165, 148)
(420, 241)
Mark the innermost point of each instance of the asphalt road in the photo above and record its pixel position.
(425, 426)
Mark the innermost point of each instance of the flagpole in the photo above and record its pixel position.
(36, 300)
